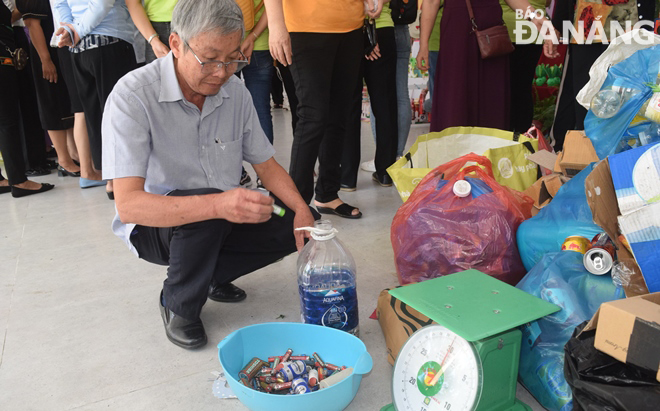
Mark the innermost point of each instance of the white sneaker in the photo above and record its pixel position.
(368, 166)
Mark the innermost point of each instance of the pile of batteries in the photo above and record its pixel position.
(291, 374)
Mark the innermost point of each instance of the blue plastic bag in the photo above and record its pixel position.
(636, 72)
(567, 214)
(561, 279)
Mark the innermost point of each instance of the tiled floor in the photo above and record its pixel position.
(79, 320)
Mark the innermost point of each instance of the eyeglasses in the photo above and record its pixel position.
(210, 67)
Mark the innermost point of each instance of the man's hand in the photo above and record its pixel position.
(49, 71)
(423, 59)
(245, 206)
(303, 218)
(159, 48)
(279, 42)
(66, 39)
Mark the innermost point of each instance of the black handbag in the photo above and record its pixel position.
(370, 39)
(19, 56)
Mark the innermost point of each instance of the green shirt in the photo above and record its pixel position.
(385, 18)
(509, 15)
(159, 10)
(434, 41)
(261, 43)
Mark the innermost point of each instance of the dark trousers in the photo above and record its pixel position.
(96, 72)
(10, 138)
(325, 70)
(570, 114)
(380, 76)
(522, 67)
(34, 139)
(211, 251)
(277, 89)
(290, 88)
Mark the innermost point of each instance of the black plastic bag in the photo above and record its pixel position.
(602, 383)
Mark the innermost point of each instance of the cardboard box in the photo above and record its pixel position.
(629, 330)
(544, 190)
(578, 153)
(545, 159)
(623, 166)
(398, 322)
(601, 198)
(642, 230)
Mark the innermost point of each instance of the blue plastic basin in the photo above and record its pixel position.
(270, 339)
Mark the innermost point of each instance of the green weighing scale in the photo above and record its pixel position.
(469, 360)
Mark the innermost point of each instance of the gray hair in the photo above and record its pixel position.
(193, 17)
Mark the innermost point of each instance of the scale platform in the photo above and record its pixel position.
(472, 304)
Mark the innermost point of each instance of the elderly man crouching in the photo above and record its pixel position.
(175, 134)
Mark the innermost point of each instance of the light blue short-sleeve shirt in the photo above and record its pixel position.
(151, 131)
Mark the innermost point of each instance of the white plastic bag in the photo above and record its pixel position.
(619, 49)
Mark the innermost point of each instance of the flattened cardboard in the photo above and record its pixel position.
(601, 198)
(544, 158)
(578, 153)
(629, 330)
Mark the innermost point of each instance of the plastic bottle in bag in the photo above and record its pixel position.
(327, 281)
(650, 136)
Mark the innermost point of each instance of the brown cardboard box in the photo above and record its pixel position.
(544, 190)
(605, 210)
(398, 322)
(629, 330)
(578, 153)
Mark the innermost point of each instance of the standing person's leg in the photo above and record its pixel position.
(565, 109)
(404, 111)
(433, 63)
(258, 78)
(290, 89)
(312, 74)
(345, 74)
(33, 133)
(10, 142)
(277, 90)
(87, 172)
(350, 157)
(522, 66)
(380, 76)
(102, 68)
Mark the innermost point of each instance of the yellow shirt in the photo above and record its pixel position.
(323, 16)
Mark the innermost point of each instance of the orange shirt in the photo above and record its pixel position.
(323, 16)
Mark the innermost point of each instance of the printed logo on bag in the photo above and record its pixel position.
(506, 167)
(416, 181)
(592, 25)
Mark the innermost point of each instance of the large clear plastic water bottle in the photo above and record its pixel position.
(326, 281)
(651, 135)
(606, 103)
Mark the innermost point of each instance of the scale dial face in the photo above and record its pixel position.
(437, 370)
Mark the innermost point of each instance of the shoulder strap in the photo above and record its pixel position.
(474, 23)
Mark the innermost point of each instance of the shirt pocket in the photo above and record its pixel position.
(228, 161)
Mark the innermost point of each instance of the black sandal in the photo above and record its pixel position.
(343, 210)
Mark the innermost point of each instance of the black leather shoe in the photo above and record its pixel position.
(385, 180)
(184, 333)
(22, 192)
(226, 293)
(63, 172)
(37, 171)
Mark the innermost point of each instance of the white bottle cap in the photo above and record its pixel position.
(462, 188)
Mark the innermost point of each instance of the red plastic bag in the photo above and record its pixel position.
(437, 233)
